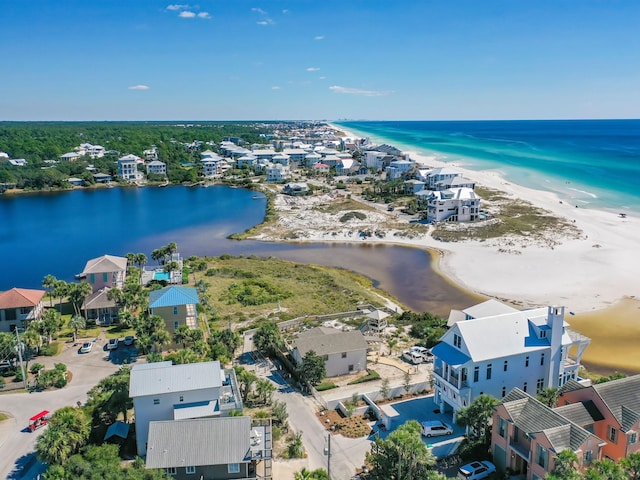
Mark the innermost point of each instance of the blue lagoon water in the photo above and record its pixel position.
(594, 163)
(56, 233)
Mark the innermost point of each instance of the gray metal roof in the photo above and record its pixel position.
(199, 442)
(532, 416)
(327, 341)
(582, 413)
(167, 378)
(622, 397)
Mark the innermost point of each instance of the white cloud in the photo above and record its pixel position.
(139, 87)
(312, 69)
(268, 21)
(204, 15)
(275, 87)
(322, 78)
(177, 7)
(258, 10)
(285, 11)
(319, 37)
(357, 91)
(186, 14)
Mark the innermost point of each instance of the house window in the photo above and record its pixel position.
(539, 385)
(105, 277)
(190, 470)
(524, 387)
(504, 391)
(505, 365)
(543, 334)
(457, 340)
(588, 456)
(175, 310)
(234, 468)
(526, 362)
(633, 438)
(541, 456)
(92, 278)
(542, 359)
(502, 427)
(489, 372)
(351, 368)
(476, 373)
(175, 325)
(171, 470)
(344, 354)
(182, 398)
(156, 401)
(612, 434)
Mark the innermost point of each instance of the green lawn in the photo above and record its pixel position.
(67, 333)
(119, 331)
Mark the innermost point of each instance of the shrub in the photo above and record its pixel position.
(371, 375)
(51, 350)
(325, 386)
(60, 367)
(351, 215)
(60, 382)
(36, 367)
(276, 433)
(18, 377)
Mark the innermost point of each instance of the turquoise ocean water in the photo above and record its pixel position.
(592, 163)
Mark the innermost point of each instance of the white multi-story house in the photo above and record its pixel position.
(453, 205)
(526, 349)
(151, 154)
(94, 151)
(438, 175)
(69, 157)
(278, 173)
(128, 168)
(296, 155)
(157, 167)
(397, 168)
(163, 391)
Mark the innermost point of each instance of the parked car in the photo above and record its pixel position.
(113, 344)
(432, 428)
(86, 347)
(412, 356)
(476, 470)
(128, 340)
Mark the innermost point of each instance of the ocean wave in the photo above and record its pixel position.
(592, 195)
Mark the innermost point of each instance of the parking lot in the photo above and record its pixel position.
(423, 409)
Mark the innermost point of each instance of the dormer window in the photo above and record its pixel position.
(543, 334)
(457, 340)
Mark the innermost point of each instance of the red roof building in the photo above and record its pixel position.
(19, 306)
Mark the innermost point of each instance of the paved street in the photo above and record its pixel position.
(17, 443)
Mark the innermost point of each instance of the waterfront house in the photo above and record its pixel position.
(209, 448)
(176, 305)
(444, 174)
(162, 391)
(343, 352)
(527, 349)
(99, 308)
(611, 410)
(453, 205)
(105, 271)
(157, 167)
(527, 435)
(19, 306)
(151, 154)
(398, 168)
(76, 182)
(128, 168)
(277, 173)
(294, 189)
(488, 308)
(102, 178)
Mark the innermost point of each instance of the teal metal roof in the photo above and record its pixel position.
(173, 296)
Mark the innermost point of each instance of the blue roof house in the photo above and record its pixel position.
(176, 305)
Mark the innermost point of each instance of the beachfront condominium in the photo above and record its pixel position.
(495, 353)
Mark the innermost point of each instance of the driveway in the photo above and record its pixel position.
(16, 444)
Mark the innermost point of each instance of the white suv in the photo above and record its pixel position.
(432, 428)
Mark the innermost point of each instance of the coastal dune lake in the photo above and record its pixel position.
(56, 233)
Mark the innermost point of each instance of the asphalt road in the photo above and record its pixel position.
(16, 443)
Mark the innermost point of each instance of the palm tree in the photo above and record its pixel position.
(77, 293)
(631, 465)
(185, 356)
(549, 396)
(67, 432)
(60, 290)
(566, 465)
(477, 416)
(140, 259)
(265, 390)
(246, 379)
(48, 283)
(50, 324)
(77, 323)
(181, 335)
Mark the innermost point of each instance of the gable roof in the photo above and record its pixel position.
(173, 296)
(20, 297)
(105, 263)
(199, 442)
(581, 413)
(489, 308)
(164, 377)
(622, 397)
(98, 299)
(532, 416)
(327, 341)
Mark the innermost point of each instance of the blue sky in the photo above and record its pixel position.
(299, 59)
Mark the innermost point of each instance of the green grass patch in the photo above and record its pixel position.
(370, 376)
(321, 387)
(92, 332)
(351, 215)
(53, 349)
(119, 331)
(336, 206)
(3, 417)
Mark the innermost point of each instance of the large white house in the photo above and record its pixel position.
(128, 168)
(278, 172)
(491, 355)
(452, 205)
(163, 391)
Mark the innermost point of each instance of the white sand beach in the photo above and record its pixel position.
(591, 272)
